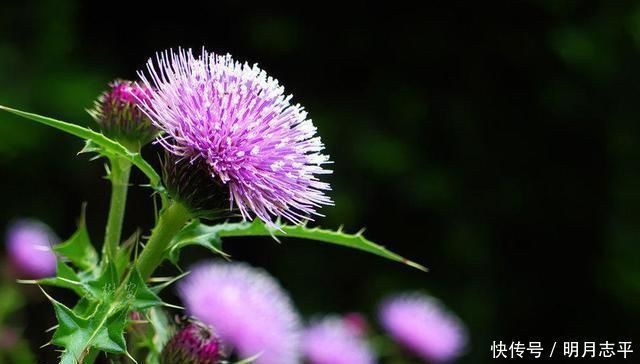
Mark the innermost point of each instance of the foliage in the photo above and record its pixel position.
(210, 237)
(111, 289)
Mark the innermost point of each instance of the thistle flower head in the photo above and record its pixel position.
(247, 308)
(239, 122)
(195, 343)
(29, 249)
(333, 341)
(421, 324)
(118, 114)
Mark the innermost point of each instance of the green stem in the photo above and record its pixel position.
(120, 170)
(171, 220)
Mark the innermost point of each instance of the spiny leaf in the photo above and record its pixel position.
(214, 233)
(101, 143)
(98, 321)
(70, 334)
(123, 255)
(158, 288)
(195, 233)
(110, 337)
(142, 296)
(85, 306)
(78, 249)
(65, 277)
(102, 328)
(105, 284)
(87, 285)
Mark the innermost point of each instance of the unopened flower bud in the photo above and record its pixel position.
(195, 343)
(118, 114)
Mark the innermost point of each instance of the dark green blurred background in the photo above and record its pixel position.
(494, 142)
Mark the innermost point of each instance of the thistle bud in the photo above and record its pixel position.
(195, 343)
(190, 183)
(118, 114)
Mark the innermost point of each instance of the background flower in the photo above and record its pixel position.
(29, 248)
(247, 308)
(239, 121)
(421, 324)
(333, 340)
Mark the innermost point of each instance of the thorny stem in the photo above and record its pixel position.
(171, 220)
(120, 170)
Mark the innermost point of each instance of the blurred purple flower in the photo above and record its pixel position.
(357, 323)
(333, 340)
(247, 308)
(421, 324)
(193, 344)
(8, 339)
(239, 122)
(29, 249)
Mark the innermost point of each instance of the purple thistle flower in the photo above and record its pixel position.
(247, 308)
(29, 248)
(334, 341)
(421, 324)
(238, 121)
(195, 343)
(119, 116)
